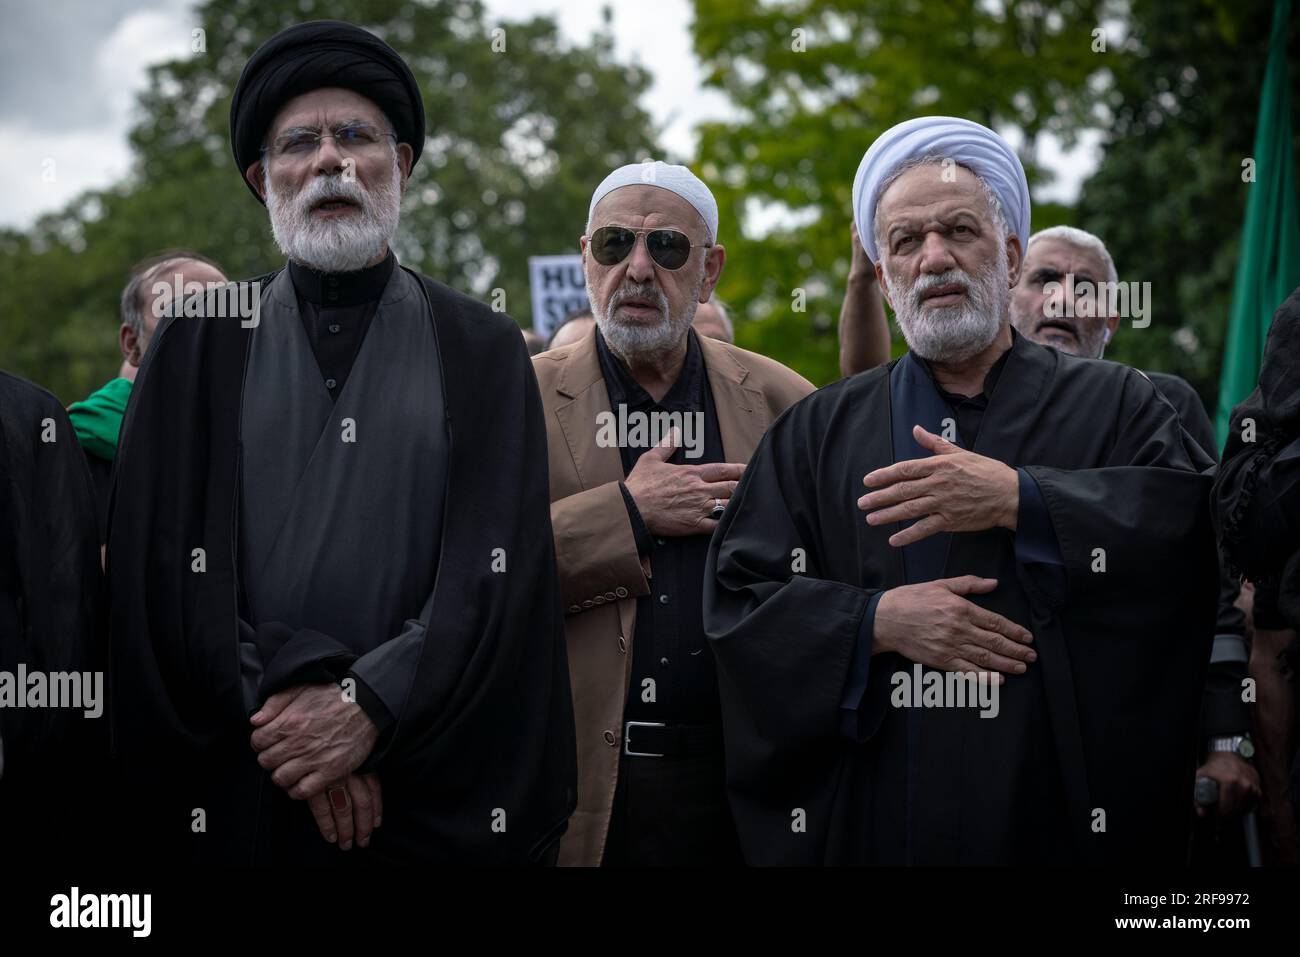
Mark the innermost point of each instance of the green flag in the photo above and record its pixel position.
(1269, 267)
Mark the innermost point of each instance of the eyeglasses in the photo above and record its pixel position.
(610, 245)
(303, 142)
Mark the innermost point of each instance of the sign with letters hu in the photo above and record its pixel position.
(558, 289)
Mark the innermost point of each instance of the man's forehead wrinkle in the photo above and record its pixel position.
(325, 120)
(939, 211)
(931, 190)
(336, 106)
(1064, 259)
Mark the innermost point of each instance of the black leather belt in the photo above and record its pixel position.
(656, 739)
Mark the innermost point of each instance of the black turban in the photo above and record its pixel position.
(322, 53)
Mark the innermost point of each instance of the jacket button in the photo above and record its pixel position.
(610, 596)
(621, 591)
(598, 600)
(573, 609)
(622, 644)
(610, 738)
(587, 604)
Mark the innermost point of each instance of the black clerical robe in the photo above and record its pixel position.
(1223, 713)
(1091, 753)
(1257, 491)
(51, 612)
(405, 540)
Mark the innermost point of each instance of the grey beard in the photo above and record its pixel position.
(336, 245)
(953, 333)
(640, 340)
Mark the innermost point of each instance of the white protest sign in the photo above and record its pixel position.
(558, 289)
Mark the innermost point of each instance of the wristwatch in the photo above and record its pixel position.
(1238, 744)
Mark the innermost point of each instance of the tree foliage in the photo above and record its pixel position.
(517, 139)
(816, 81)
(1168, 198)
(1174, 93)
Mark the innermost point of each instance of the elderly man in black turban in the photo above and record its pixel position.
(335, 610)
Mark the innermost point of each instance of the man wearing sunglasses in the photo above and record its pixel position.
(648, 425)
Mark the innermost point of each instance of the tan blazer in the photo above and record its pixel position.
(601, 575)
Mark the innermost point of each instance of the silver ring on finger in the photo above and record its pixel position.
(718, 508)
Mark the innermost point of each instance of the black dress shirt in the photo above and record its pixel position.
(336, 310)
(669, 644)
(968, 411)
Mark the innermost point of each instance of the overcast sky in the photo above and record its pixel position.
(70, 71)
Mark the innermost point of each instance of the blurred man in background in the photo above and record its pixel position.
(534, 342)
(1062, 262)
(863, 329)
(1257, 508)
(150, 288)
(713, 319)
(575, 327)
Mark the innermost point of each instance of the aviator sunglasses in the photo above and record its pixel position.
(610, 245)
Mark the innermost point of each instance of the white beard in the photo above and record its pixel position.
(629, 339)
(343, 244)
(953, 333)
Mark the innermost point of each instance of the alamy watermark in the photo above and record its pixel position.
(55, 689)
(1128, 300)
(75, 909)
(213, 300)
(641, 430)
(945, 689)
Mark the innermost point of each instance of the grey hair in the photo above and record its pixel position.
(933, 159)
(1081, 238)
(141, 279)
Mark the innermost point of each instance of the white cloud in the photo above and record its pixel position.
(47, 162)
(79, 107)
(141, 40)
(656, 35)
(1071, 167)
(42, 171)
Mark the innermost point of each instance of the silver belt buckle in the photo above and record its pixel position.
(627, 737)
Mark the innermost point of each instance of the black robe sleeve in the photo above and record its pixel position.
(486, 736)
(1122, 651)
(784, 624)
(50, 619)
(1223, 712)
(1257, 492)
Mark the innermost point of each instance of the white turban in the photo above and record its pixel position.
(675, 179)
(965, 143)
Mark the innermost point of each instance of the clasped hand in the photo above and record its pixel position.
(312, 738)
